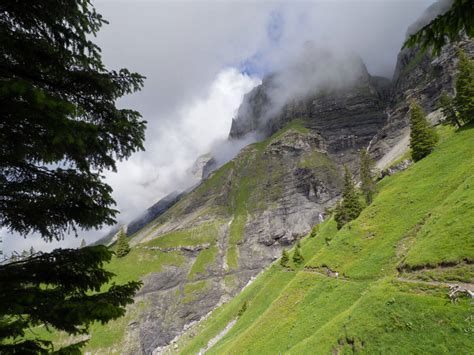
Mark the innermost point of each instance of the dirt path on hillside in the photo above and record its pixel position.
(333, 274)
(467, 286)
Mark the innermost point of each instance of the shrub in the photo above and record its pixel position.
(242, 309)
(284, 258)
(297, 256)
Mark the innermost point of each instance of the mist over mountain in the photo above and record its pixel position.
(198, 71)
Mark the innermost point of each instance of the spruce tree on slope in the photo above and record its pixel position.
(350, 207)
(464, 100)
(423, 137)
(122, 245)
(297, 256)
(367, 185)
(284, 258)
(60, 130)
(446, 103)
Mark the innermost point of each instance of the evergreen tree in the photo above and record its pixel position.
(464, 100)
(284, 258)
(350, 207)
(367, 181)
(446, 104)
(62, 289)
(32, 250)
(60, 130)
(423, 137)
(297, 256)
(83, 243)
(122, 245)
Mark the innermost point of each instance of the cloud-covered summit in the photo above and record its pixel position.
(201, 57)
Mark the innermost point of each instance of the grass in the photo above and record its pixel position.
(266, 287)
(295, 314)
(140, 262)
(421, 217)
(367, 247)
(296, 125)
(205, 259)
(191, 290)
(204, 233)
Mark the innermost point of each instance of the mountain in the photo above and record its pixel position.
(201, 254)
(377, 286)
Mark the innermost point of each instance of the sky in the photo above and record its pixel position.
(200, 58)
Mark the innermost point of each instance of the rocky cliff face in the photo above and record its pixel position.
(347, 118)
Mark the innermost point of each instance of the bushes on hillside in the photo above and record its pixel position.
(122, 245)
(297, 256)
(349, 207)
(284, 258)
(367, 181)
(242, 309)
(423, 137)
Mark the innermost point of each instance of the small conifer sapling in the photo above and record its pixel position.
(284, 258)
(367, 181)
(297, 256)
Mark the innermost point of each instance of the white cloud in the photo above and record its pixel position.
(194, 130)
(141, 181)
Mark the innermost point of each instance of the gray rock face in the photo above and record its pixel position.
(347, 118)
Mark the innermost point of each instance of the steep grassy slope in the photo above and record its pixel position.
(393, 260)
(215, 239)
